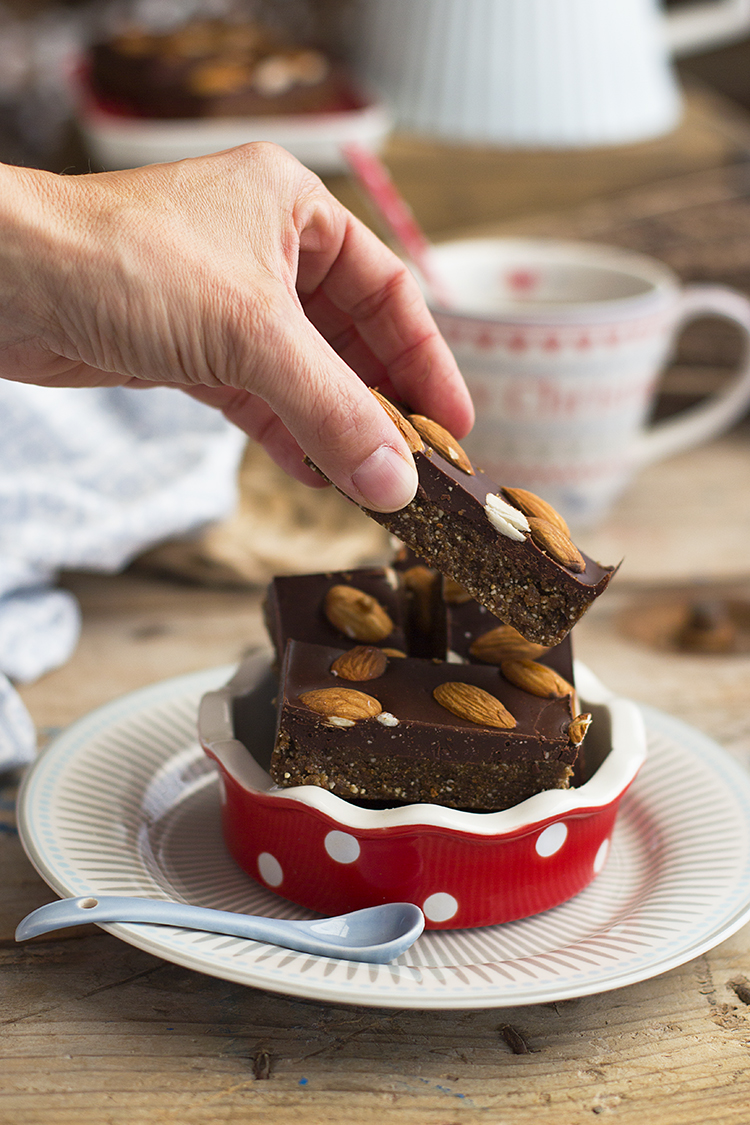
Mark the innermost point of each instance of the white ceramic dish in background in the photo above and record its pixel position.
(117, 141)
(557, 73)
(126, 802)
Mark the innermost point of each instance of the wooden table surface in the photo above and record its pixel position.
(96, 1031)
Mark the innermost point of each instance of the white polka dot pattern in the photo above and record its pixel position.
(551, 839)
(440, 907)
(342, 847)
(601, 856)
(270, 869)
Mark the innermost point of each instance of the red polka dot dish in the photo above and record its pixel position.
(464, 869)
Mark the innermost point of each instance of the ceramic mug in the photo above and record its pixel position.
(562, 345)
(558, 73)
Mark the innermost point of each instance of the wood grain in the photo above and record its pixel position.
(111, 1034)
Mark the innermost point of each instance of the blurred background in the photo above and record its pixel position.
(86, 86)
(89, 86)
(60, 60)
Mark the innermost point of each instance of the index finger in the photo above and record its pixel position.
(371, 287)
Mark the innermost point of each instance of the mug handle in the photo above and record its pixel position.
(697, 27)
(700, 423)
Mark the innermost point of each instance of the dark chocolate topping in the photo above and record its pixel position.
(447, 525)
(446, 483)
(425, 729)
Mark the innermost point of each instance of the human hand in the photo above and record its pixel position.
(240, 279)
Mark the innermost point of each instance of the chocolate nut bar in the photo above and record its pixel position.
(506, 547)
(448, 624)
(471, 633)
(463, 631)
(418, 730)
(338, 608)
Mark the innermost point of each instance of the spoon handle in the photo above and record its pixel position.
(117, 908)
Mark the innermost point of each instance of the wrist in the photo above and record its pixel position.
(38, 240)
(25, 237)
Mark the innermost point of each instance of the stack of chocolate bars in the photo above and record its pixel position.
(446, 677)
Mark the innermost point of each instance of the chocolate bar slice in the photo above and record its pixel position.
(468, 632)
(507, 547)
(215, 68)
(373, 728)
(339, 608)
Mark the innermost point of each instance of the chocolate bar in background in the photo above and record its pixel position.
(213, 68)
(422, 592)
(338, 608)
(472, 633)
(448, 624)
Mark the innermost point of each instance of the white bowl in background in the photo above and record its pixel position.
(118, 141)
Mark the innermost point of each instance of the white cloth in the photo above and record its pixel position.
(88, 479)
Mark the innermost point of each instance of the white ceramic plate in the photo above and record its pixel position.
(125, 802)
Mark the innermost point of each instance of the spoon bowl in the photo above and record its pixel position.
(377, 933)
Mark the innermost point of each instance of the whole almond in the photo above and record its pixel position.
(556, 544)
(356, 614)
(419, 577)
(453, 593)
(442, 441)
(504, 643)
(364, 662)
(341, 703)
(533, 505)
(212, 78)
(404, 427)
(577, 729)
(421, 582)
(398, 653)
(536, 679)
(473, 703)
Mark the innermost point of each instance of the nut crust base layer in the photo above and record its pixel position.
(485, 787)
(541, 606)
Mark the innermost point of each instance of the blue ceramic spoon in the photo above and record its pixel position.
(377, 933)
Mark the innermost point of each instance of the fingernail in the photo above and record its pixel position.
(386, 481)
